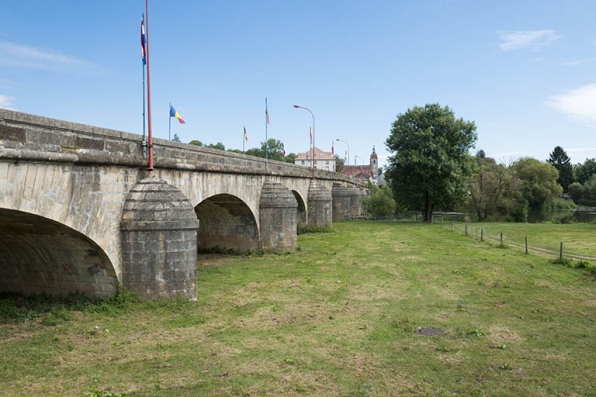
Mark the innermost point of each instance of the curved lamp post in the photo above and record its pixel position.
(339, 140)
(313, 138)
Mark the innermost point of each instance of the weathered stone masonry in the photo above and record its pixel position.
(75, 215)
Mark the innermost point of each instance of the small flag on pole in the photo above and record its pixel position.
(245, 136)
(283, 148)
(332, 152)
(174, 113)
(143, 41)
(266, 111)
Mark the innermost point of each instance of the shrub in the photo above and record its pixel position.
(380, 202)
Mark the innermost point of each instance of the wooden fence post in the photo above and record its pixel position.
(561, 252)
(526, 245)
(441, 221)
(466, 229)
(452, 226)
(481, 234)
(501, 238)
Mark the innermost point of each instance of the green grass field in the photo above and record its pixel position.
(338, 317)
(577, 238)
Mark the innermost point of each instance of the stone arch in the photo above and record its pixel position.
(227, 222)
(39, 255)
(301, 218)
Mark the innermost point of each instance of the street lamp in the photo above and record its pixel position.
(313, 138)
(339, 140)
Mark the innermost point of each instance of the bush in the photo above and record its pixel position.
(380, 202)
(561, 204)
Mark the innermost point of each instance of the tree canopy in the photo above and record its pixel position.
(540, 181)
(275, 151)
(494, 188)
(380, 202)
(562, 162)
(430, 165)
(583, 172)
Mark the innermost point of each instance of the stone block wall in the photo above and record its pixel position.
(278, 218)
(159, 242)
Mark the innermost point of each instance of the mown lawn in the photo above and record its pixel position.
(338, 317)
(577, 238)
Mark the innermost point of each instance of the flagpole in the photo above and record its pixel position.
(150, 141)
(170, 123)
(143, 66)
(243, 140)
(266, 139)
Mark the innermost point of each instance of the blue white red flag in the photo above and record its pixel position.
(143, 41)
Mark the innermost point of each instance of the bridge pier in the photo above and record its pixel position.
(159, 242)
(341, 201)
(278, 218)
(356, 201)
(319, 205)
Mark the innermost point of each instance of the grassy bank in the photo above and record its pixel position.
(577, 238)
(341, 316)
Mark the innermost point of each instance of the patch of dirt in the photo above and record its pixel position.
(429, 331)
(500, 335)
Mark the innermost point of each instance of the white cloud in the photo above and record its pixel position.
(24, 56)
(7, 102)
(531, 39)
(578, 62)
(578, 104)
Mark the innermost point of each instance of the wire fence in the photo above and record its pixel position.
(529, 244)
(456, 222)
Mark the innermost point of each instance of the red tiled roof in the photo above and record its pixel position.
(319, 155)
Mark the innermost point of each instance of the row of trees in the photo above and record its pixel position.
(431, 169)
(274, 148)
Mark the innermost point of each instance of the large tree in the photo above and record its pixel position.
(540, 181)
(274, 149)
(583, 172)
(562, 162)
(494, 188)
(430, 165)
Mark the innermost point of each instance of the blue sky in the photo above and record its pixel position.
(524, 71)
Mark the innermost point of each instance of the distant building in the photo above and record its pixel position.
(323, 160)
(365, 172)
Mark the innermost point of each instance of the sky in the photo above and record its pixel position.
(523, 71)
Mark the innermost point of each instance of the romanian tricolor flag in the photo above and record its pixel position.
(174, 113)
(245, 136)
(283, 148)
(332, 151)
(266, 111)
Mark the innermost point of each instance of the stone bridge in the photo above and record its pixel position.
(80, 212)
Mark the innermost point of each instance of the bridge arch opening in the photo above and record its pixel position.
(38, 255)
(226, 222)
(301, 220)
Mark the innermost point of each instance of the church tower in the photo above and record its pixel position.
(374, 163)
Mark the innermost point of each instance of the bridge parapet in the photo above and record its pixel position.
(35, 138)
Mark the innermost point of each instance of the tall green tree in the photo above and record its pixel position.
(540, 181)
(494, 188)
(583, 172)
(430, 166)
(275, 150)
(562, 162)
(196, 142)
